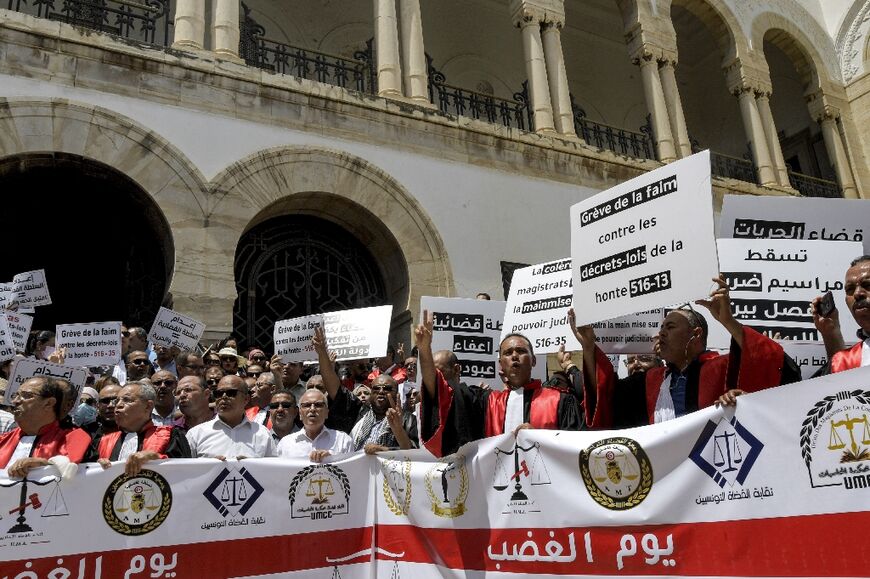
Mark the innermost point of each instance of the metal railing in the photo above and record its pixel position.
(620, 141)
(146, 21)
(813, 186)
(732, 167)
(450, 99)
(357, 73)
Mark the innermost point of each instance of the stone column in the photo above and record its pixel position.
(387, 48)
(680, 132)
(226, 28)
(837, 154)
(189, 24)
(416, 76)
(762, 100)
(655, 102)
(560, 95)
(755, 133)
(536, 70)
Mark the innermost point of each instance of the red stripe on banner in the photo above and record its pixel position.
(803, 546)
(212, 560)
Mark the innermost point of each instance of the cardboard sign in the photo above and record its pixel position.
(537, 307)
(359, 333)
(772, 282)
(94, 344)
(645, 244)
(812, 219)
(26, 368)
(471, 329)
(293, 338)
(26, 291)
(19, 325)
(173, 329)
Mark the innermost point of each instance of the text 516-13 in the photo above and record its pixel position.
(548, 342)
(648, 284)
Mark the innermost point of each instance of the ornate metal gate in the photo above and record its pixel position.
(299, 265)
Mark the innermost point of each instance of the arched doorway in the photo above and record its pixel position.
(106, 247)
(296, 265)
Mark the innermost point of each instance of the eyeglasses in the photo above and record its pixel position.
(254, 374)
(226, 393)
(139, 361)
(317, 405)
(109, 400)
(386, 389)
(212, 362)
(125, 333)
(26, 395)
(213, 381)
(284, 405)
(258, 359)
(167, 382)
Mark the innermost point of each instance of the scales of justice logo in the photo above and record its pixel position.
(397, 485)
(136, 505)
(527, 464)
(835, 440)
(726, 452)
(617, 473)
(447, 486)
(320, 491)
(233, 492)
(33, 498)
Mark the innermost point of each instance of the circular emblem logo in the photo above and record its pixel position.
(617, 473)
(137, 505)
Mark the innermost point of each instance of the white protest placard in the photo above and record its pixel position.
(25, 368)
(293, 338)
(176, 330)
(29, 290)
(645, 244)
(359, 333)
(772, 282)
(19, 325)
(7, 344)
(810, 218)
(91, 344)
(810, 358)
(471, 329)
(537, 307)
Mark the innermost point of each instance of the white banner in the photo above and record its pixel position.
(26, 368)
(471, 329)
(768, 217)
(173, 329)
(645, 244)
(772, 282)
(292, 338)
(537, 307)
(19, 325)
(93, 344)
(360, 333)
(773, 488)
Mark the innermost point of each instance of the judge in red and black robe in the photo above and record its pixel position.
(694, 378)
(453, 415)
(49, 441)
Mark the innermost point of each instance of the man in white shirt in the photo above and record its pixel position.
(314, 441)
(231, 434)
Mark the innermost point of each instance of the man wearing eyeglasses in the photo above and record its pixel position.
(138, 366)
(282, 414)
(106, 401)
(384, 426)
(36, 406)
(694, 377)
(138, 440)
(189, 364)
(165, 412)
(231, 434)
(261, 396)
(315, 441)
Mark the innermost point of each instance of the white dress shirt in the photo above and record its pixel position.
(298, 445)
(217, 438)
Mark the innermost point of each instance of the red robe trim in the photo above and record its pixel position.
(156, 439)
(444, 396)
(252, 412)
(544, 412)
(51, 441)
(602, 415)
(761, 361)
(847, 359)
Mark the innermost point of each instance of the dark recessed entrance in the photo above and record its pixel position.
(105, 246)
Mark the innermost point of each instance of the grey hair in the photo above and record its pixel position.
(146, 389)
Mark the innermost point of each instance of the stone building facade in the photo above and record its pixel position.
(261, 160)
